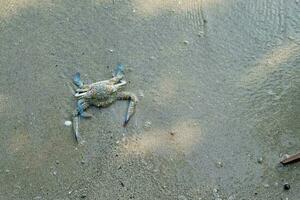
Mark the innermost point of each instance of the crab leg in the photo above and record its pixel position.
(96, 83)
(76, 127)
(118, 75)
(132, 104)
(79, 111)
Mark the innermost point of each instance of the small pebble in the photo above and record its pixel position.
(68, 123)
(111, 50)
(259, 160)
(82, 162)
(186, 42)
(172, 133)
(266, 185)
(7, 170)
(147, 125)
(57, 162)
(286, 186)
(55, 173)
(219, 164)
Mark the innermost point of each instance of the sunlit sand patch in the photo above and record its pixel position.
(166, 90)
(270, 63)
(152, 7)
(11, 7)
(179, 139)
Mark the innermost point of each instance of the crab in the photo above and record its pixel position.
(101, 94)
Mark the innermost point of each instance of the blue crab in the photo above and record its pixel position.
(101, 94)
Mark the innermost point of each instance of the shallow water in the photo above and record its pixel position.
(218, 80)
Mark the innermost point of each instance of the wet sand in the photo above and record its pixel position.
(218, 83)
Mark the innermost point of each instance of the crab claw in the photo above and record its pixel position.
(79, 94)
(77, 80)
(79, 112)
(119, 71)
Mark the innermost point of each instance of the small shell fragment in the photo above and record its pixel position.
(68, 123)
